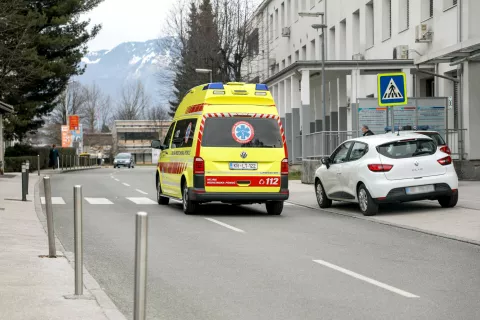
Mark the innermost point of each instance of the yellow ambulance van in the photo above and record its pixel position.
(226, 144)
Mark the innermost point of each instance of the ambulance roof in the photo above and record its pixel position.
(232, 93)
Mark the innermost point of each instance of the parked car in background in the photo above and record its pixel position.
(387, 168)
(124, 160)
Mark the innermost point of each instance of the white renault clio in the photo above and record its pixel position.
(387, 168)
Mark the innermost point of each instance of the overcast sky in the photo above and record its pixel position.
(128, 20)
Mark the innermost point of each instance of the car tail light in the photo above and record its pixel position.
(198, 166)
(380, 167)
(445, 161)
(446, 149)
(284, 168)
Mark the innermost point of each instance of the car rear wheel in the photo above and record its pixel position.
(450, 201)
(322, 198)
(274, 208)
(189, 207)
(367, 205)
(161, 199)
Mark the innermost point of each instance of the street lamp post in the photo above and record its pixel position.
(206, 71)
(316, 27)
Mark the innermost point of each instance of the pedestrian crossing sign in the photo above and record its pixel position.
(392, 89)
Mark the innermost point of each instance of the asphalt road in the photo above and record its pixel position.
(239, 263)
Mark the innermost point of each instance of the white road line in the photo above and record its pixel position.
(126, 184)
(98, 201)
(366, 279)
(225, 225)
(117, 180)
(289, 203)
(55, 200)
(142, 192)
(142, 201)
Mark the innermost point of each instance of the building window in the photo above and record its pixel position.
(271, 27)
(289, 13)
(253, 44)
(283, 64)
(331, 45)
(356, 32)
(312, 50)
(403, 15)
(343, 40)
(276, 24)
(426, 9)
(297, 56)
(387, 19)
(289, 60)
(282, 15)
(295, 9)
(304, 53)
(449, 3)
(369, 25)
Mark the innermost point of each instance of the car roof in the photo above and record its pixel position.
(379, 139)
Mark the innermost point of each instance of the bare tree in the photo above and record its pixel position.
(159, 115)
(133, 102)
(106, 114)
(96, 108)
(72, 100)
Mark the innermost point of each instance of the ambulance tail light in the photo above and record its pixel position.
(198, 166)
(284, 167)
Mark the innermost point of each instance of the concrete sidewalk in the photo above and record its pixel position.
(31, 286)
(460, 223)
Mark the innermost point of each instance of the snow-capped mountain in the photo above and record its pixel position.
(148, 62)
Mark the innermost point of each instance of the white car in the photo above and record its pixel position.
(387, 168)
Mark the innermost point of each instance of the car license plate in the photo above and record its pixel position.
(420, 189)
(243, 166)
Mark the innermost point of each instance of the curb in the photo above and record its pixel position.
(109, 308)
(391, 224)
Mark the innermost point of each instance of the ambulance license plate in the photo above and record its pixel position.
(243, 166)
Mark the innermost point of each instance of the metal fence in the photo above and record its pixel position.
(322, 144)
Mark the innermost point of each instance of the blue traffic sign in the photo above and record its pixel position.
(392, 89)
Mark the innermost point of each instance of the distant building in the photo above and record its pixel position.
(98, 145)
(135, 136)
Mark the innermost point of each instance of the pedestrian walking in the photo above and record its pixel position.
(366, 131)
(53, 157)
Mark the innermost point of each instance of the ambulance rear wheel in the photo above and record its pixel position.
(189, 207)
(274, 208)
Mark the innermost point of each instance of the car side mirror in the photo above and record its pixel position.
(156, 144)
(326, 162)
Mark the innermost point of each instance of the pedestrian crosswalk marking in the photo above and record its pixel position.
(392, 92)
(98, 201)
(55, 200)
(142, 201)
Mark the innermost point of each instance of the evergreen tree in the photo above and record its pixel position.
(51, 40)
(199, 50)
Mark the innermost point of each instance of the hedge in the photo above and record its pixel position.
(15, 156)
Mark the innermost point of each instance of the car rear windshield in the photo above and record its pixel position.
(407, 148)
(242, 132)
(436, 137)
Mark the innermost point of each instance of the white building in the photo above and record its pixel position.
(364, 38)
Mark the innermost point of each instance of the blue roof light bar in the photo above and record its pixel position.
(215, 85)
(261, 87)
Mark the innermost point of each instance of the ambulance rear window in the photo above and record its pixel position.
(242, 132)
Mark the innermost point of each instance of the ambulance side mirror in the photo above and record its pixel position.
(157, 144)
